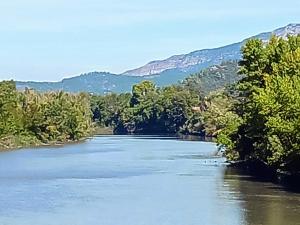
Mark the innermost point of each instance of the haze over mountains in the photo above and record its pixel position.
(162, 72)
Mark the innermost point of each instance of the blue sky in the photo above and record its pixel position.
(53, 39)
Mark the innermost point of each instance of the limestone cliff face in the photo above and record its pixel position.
(291, 29)
(206, 57)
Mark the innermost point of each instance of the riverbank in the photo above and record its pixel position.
(12, 142)
(262, 171)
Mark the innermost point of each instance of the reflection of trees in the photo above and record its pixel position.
(264, 203)
(189, 137)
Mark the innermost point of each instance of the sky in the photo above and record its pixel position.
(48, 40)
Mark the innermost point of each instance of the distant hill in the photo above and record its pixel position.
(100, 82)
(208, 79)
(196, 60)
(213, 77)
(162, 72)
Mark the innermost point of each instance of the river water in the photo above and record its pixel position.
(125, 180)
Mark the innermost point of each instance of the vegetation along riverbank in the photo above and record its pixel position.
(30, 119)
(251, 106)
(256, 119)
(265, 127)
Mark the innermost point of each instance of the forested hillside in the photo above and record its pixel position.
(102, 83)
(213, 78)
(162, 72)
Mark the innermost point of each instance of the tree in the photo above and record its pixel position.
(267, 104)
(10, 122)
(29, 117)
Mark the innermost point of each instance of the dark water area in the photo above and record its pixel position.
(136, 180)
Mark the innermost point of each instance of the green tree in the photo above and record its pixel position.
(267, 104)
(10, 121)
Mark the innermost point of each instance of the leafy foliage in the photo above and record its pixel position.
(147, 110)
(268, 101)
(171, 109)
(48, 117)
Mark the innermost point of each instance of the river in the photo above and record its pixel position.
(126, 180)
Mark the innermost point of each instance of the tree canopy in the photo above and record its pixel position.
(30, 118)
(267, 105)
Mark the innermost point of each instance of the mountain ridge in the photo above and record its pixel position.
(194, 58)
(162, 72)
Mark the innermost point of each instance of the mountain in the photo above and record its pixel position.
(196, 60)
(191, 62)
(213, 77)
(99, 82)
(96, 82)
(162, 72)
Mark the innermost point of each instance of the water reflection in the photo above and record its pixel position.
(179, 137)
(263, 202)
(195, 138)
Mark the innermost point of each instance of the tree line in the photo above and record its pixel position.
(181, 108)
(31, 118)
(149, 110)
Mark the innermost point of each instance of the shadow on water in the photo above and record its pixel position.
(195, 138)
(259, 173)
(181, 137)
(263, 202)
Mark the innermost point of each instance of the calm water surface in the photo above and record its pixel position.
(116, 180)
